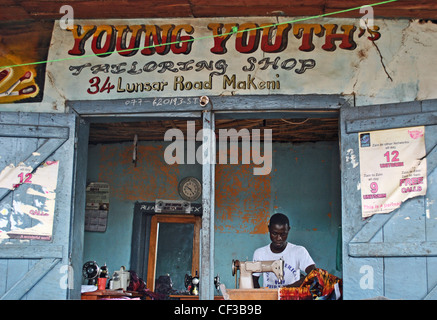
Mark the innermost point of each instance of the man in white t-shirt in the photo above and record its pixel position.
(296, 258)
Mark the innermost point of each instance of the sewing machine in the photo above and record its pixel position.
(247, 268)
(120, 279)
(192, 284)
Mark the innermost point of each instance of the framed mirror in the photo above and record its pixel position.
(173, 248)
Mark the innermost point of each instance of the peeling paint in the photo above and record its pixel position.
(242, 200)
(428, 203)
(350, 157)
(151, 179)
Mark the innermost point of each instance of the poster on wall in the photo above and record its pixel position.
(30, 216)
(97, 206)
(392, 168)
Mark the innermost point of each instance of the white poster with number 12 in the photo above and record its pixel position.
(392, 168)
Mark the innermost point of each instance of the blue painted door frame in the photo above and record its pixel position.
(225, 106)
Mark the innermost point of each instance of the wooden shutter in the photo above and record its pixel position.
(31, 269)
(392, 255)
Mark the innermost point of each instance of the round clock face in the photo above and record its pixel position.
(190, 189)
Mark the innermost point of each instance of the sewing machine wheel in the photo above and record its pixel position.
(235, 266)
(90, 270)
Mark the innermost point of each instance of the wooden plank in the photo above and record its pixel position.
(30, 252)
(429, 105)
(432, 279)
(432, 294)
(253, 294)
(251, 11)
(76, 244)
(371, 227)
(16, 268)
(381, 123)
(127, 107)
(393, 249)
(12, 12)
(3, 272)
(218, 103)
(280, 102)
(196, 246)
(207, 236)
(32, 131)
(153, 245)
(363, 277)
(43, 10)
(411, 270)
(32, 277)
(431, 160)
(259, 3)
(108, 9)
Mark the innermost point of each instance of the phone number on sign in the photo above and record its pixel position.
(164, 101)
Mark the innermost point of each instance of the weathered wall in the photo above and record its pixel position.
(391, 64)
(304, 184)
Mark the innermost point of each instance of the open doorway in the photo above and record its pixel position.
(304, 183)
(131, 158)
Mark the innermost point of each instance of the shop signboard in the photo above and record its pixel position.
(179, 58)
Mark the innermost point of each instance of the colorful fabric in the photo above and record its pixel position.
(318, 285)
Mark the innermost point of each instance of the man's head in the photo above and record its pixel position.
(279, 226)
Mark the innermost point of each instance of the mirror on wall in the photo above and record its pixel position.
(173, 248)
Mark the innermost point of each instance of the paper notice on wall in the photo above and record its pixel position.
(97, 206)
(30, 213)
(392, 168)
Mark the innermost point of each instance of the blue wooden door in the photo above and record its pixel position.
(392, 255)
(34, 266)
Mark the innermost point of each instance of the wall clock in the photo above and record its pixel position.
(190, 188)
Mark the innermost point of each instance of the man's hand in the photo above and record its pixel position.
(302, 277)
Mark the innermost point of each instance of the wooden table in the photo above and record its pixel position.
(108, 294)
